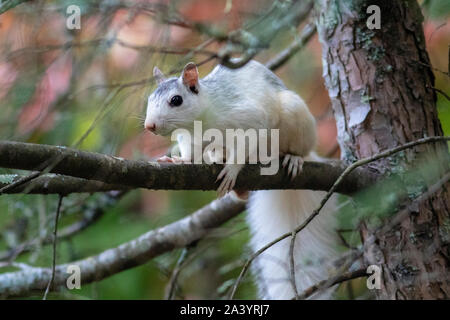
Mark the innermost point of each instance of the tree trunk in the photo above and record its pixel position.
(381, 86)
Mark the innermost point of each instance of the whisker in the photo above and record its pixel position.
(174, 121)
(136, 117)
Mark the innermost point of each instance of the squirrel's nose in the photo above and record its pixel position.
(150, 127)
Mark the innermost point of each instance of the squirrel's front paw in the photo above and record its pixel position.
(295, 165)
(229, 174)
(174, 159)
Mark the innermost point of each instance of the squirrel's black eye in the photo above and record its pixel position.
(176, 101)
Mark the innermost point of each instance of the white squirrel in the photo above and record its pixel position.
(254, 97)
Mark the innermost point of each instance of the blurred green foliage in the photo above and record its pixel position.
(437, 9)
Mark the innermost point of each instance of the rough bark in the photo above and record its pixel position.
(380, 84)
(152, 175)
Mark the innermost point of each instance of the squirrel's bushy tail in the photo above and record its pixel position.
(272, 213)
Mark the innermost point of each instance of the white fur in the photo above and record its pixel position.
(253, 97)
(272, 213)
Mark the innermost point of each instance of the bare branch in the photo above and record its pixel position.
(328, 283)
(152, 175)
(9, 4)
(55, 184)
(308, 31)
(107, 42)
(172, 286)
(128, 255)
(446, 96)
(55, 241)
(399, 217)
(248, 44)
(292, 263)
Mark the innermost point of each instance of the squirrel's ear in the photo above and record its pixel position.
(190, 77)
(158, 75)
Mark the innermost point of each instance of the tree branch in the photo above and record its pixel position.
(308, 31)
(9, 4)
(151, 175)
(251, 44)
(128, 255)
(328, 283)
(55, 184)
(55, 241)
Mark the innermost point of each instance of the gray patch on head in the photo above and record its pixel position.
(165, 87)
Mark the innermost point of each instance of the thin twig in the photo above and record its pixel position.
(251, 45)
(19, 182)
(9, 4)
(442, 92)
(307, 33)
(292, 263)
(328, 283)
(91, 215)
(54, 184)
(423, 197)
(342, 264)
(107, 42)
(55, 240)
(52, 162)
(175, 273)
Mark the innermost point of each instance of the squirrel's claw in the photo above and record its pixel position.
(295, 165)
(229, 174)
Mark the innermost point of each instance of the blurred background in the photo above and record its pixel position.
(87, 88)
